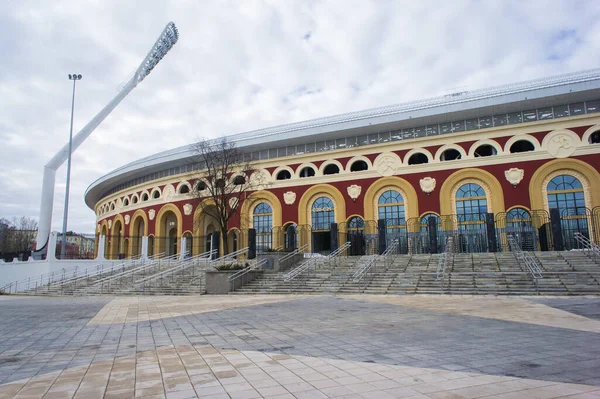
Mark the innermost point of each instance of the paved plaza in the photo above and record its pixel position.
(300, 347)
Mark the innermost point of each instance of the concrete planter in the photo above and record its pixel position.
(274, 266)
(217, 281)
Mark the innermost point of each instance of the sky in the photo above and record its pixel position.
(244, 65)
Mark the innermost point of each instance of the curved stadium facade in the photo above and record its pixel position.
(519, 160)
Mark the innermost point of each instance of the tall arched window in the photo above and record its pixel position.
(471, 204)
(390, 205)
(323, 214)
(262, 221)
(565, 192)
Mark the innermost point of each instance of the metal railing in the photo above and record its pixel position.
(179, 267)
(290, 256)
(446, 258)
(364, 267)
(254, 266)
(150, 266)
(230, 257)
(587, 244)
(312, 263)
(528, 264)
(57, 280)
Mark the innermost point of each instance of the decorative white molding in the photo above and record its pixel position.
(561, 143)
(427, 184)
(354, 191)
(387, 163)
(168, 193)
(187, 209)
(151, 214)
(98, 228)
(119, 203)
(289, 197)
(110, 224)
(514, 175)
(233, 202)
(127, 218)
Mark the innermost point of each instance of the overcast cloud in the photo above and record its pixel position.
(243, 65)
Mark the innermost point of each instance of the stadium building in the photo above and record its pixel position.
(519, 160)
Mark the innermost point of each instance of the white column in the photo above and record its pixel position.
(101, 246)
(51, 252)
(145, 247)
(183, 248)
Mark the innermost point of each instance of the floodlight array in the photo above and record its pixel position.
(165, 42)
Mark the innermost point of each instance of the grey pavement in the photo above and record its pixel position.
(72, 347)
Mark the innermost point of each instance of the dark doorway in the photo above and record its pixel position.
(321, 241)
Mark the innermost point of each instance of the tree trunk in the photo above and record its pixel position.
(225, 246)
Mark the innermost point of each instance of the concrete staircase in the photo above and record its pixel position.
(190, 280)
(564, 273)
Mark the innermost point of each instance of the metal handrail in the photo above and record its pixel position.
(229, 257)
(445, 258)
(64, 276)
(179, 266)
(587, 244)
(524, 259)
(312, 262)
(338, 251)
(364, 268)
(100, 270)
(293, 253)
(248, 269)
(151, 263)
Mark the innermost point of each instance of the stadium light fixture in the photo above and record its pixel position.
(63, 246)
(165, 42)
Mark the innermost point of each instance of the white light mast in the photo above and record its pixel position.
(164, 43)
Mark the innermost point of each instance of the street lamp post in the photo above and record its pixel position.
(63, 246)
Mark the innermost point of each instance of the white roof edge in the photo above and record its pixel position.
(457, 98)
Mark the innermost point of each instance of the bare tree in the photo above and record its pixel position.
(223, 179)
(17, 235)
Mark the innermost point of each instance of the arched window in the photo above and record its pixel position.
(126, 202)
(471, 204)
(565, 192)
(331, 169)
(134, 200)
(485, 150)
(284, 175)
(356, 223)
(594, 138)
(358, 166)
(262, 222)
(239, 180)
(450, 155)
(323, 214)
(518, 218)
(521, 146)
(184, 189)
(112, 207)
(156, 194)
(307, 172)
(390, 205)
(418, 158)
(200, 186)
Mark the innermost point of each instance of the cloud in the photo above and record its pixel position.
(241, 66)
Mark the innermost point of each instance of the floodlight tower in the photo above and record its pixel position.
(164, 43)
